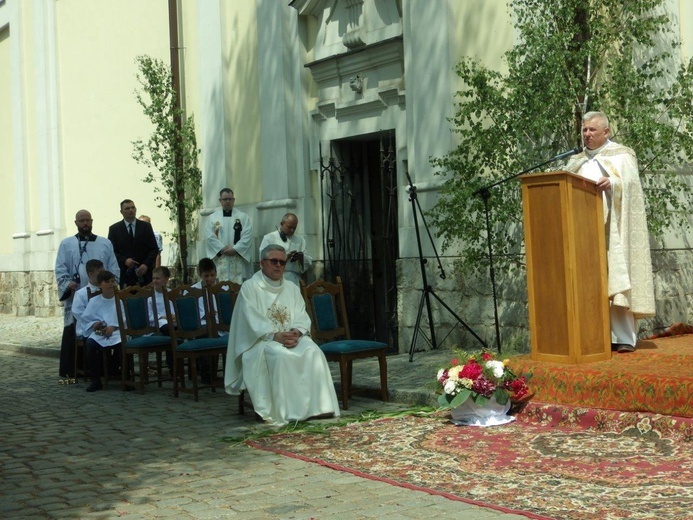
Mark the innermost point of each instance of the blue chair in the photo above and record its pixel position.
(222, 299)
(138, 337)
(330, 329)
(192, 339)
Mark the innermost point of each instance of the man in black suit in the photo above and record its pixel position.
(134, 246)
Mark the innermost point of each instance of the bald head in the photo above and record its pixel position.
(288, 224)
(84, 222)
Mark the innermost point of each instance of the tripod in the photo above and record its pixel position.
(427, 290)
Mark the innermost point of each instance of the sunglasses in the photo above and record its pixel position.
(275, 261)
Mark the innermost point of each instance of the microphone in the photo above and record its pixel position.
(564, 155)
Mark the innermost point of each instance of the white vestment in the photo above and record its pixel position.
(285, 384)
(73, 254)
(630, 280)
(104, 310)
(79, 303)
(219, 233)
(294, 269)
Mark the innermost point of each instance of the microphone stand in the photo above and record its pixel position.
(485, 194)
(427, 290)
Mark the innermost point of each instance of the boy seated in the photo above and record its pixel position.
(102, 329)
(81, 298)
(207, 271)
(160, 278)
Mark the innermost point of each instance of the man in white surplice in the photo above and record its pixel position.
(270, 353)
(228, 240)
(298, 259)
(614, 168)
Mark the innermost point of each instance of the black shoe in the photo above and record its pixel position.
(94, 386)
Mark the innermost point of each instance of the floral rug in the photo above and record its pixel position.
(656, 378)
(554, 462)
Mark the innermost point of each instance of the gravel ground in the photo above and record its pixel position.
(30, 331)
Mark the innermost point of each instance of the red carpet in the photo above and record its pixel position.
(554, 462)
(657, 378)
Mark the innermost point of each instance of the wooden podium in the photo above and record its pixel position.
(566, 268)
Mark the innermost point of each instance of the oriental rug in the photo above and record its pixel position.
(554, 462)
(656, 378)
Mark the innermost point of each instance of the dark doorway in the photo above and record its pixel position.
(359, 206)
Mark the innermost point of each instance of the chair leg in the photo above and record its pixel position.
(178, 372)
(346, 382)
(382, 361)
(144, 370)
(192, 361)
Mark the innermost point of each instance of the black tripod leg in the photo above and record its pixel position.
(460, 320)
(416, 327)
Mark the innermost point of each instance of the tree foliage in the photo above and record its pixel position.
(170, 153)
(574, 56)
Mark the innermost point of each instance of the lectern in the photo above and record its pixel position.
(566, 268)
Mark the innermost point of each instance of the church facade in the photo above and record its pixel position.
(330, 109)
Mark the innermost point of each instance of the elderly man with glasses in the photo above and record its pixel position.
(270, 353)
(228, 240)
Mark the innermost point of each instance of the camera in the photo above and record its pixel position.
(76, 278)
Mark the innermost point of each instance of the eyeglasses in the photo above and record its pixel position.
(275, 261)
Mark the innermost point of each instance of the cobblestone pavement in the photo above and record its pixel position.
(112, 454)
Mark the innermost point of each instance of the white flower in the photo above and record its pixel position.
(450, 388)
(440, 373)
(497, 367)
(454, 372)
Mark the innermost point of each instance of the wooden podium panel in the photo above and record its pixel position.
(566, 268)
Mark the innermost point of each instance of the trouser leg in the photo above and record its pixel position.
(623, 327)
(94, 360)
(67, 352)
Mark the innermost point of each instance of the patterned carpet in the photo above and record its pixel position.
(657, 378)
(555, 462)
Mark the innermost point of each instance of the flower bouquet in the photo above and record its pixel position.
(480, 390)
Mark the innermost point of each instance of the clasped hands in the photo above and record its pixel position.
(140, 269)
(102, 329)
(228, 251)
(288, 338)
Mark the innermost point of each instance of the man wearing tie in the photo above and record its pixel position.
(228, 237)
(134, 245)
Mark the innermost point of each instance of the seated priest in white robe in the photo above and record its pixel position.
(270, 353)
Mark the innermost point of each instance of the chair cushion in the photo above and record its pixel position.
(148, 341)
(202, 344)
(137, 313)
(325, 312)
(351, 345)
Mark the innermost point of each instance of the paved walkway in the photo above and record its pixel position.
(69, 454)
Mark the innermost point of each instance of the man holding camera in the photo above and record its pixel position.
(298, 261)
(134, 245)
(71, 275)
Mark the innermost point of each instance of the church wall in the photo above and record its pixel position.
(6, 152)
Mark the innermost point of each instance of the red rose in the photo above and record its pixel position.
(486, 356)
(471, 370)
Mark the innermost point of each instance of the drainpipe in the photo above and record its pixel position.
(177, 120)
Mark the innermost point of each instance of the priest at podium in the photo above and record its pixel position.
(614, 168)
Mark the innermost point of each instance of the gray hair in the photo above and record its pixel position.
(596, 115)
(264, 254)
